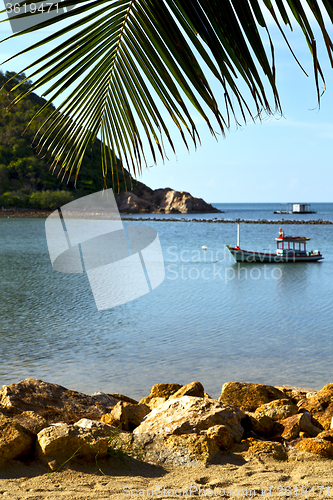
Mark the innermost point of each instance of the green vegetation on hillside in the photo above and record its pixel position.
(25, 177)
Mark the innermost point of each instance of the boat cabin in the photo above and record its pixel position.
(291, 243)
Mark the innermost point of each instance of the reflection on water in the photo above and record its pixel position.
(211, 319)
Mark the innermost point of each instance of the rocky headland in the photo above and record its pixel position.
(141, 200)
(175, 425)
(169, 201)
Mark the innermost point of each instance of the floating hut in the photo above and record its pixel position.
(295, 208)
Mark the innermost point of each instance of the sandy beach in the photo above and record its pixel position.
(231, 475)
(26, 213)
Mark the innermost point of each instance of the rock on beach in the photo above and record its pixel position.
(191, 415)
(249, 396)
(174, 424)
(51, 401)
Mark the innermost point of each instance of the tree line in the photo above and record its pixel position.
(26, 179)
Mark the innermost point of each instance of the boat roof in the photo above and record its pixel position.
(299, 239)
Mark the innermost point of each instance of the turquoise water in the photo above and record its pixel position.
(210, 320)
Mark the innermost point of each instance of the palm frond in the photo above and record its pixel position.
(125, 56)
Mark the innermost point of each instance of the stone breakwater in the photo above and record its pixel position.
(229, 221)
(43, 214)
(174, 424)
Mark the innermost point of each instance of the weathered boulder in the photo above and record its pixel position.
(328, 435)
(185, 449)
(121, 397)
(261, 424)
(153, 402)
(200, 448)
(248, 396)
(296, 423)
(308, 426)
(266, 449)
(193, 389)
(51, 401)
(296, 394)
(126, 416)
(59, 443)
(292, 426)
(278, 409)
(320, 406)
(135, 414)
(109, 400)
(189, 415)
(163, 390)
(31, 422)
(14, 441)
(117, 417)
(317, 446)
(159, 394)
(221, 435)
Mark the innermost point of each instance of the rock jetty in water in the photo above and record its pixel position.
(174, 424)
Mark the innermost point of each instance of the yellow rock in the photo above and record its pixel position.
(159, 394)
(327, 435)
(126, 416)
(327, 387)
(278, 409)
(60, 442)
(297, 423)
(221, 435)
(261, 423)
(321, 406)
(31, 422)
(193, 389)
(247, 396)
(266, 448)
(51, 401)
(164, 390)
(317, 446)
(188, 414)
(296, 394)
(199, 447)
(14, 442)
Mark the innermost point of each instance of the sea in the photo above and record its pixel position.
(210, 320)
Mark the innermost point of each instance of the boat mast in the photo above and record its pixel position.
(238, 239)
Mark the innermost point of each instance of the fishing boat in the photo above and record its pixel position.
(288, 249)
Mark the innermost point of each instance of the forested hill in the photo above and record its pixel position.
(25, 179)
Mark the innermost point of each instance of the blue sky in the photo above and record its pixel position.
(279, 160)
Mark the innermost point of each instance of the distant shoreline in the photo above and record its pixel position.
(43, 214)
(24, 212)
